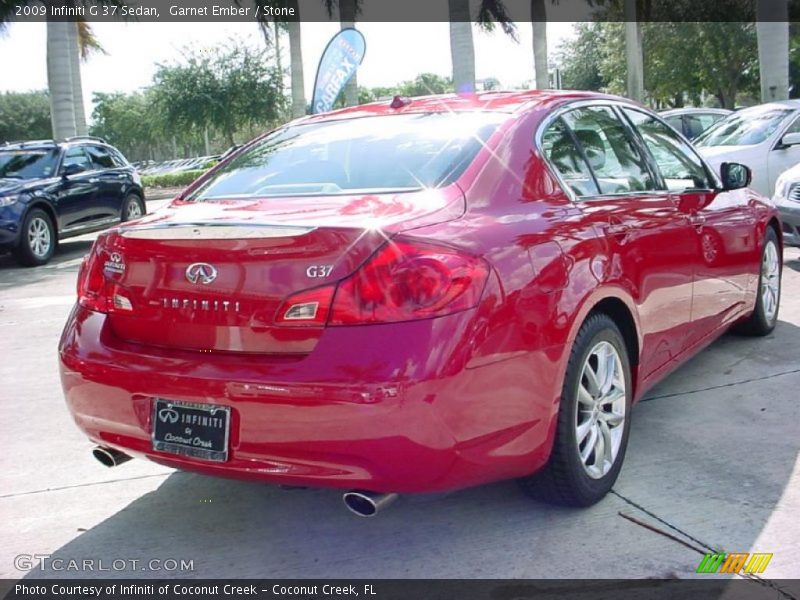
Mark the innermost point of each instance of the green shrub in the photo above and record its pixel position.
(181, 179)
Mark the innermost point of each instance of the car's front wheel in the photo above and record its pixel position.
(37, 240)
(132, 208)
(768, 298)
(593, 419)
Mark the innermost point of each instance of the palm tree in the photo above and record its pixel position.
(539, 24)
(772, 29)
(462, 48)
(59, 78)
(296, 59)
(67, 42)
(633, 52)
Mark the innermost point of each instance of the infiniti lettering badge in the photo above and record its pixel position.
(202, 273)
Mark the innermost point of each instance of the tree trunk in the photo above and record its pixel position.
(772, 29)
(59, 79)
(77, 86)
(539, 22)
(347, 17)
(296, 58)
(278, 58)
(633, 53)
(206, 145)
(462, 49)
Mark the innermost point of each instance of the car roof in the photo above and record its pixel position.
(692, 110)
(496, 101)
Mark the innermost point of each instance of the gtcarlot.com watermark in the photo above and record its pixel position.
(46, 562)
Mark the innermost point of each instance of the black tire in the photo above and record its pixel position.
(565, 480)
(132, 203)
(30, 250)
(763, 321)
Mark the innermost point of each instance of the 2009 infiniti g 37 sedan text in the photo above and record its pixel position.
(419, 296)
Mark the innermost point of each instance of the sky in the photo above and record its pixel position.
(393, 52)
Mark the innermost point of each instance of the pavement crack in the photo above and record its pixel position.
(81, 485)
(723, 385)
(703, 547)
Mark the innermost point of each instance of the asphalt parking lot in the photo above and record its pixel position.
(713, 461)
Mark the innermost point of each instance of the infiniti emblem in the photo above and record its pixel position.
(203, 273)
(168, 415)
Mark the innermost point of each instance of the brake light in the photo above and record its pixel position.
(95, 290)
(92, 284)
(409, 280)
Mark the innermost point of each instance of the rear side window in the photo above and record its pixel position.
(680, 166)
(560, 149)
(76, 156)
(101, 158)
(613, 156)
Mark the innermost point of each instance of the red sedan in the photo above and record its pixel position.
(419, 296)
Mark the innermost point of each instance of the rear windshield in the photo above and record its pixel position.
(364, 155)
(27, 164)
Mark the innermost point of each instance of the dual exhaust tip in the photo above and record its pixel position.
(361, 503)
(110, 457)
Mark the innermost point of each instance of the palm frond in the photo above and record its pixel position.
(87, 41)
(491, 12)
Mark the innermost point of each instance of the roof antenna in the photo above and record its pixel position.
(400, 101)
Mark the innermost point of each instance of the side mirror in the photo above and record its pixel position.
(72, 169)
(790, 139)
(735, 176)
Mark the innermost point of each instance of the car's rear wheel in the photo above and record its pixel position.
(132, 208)
(37, 240)
(768, 297)
(593, 419)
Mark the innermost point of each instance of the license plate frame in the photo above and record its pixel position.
(188, 434)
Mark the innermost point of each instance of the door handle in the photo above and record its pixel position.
(697, 220)
(94, 180)
(617, 228)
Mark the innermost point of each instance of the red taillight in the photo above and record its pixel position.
(409, 280)
(97, 289)
(92, 284)
(403, 281)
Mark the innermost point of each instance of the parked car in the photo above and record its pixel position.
(766, 138)
(50, 191)
(691, 122)
(418, 296)
(787, 199)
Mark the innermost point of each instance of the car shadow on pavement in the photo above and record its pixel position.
(712, 452)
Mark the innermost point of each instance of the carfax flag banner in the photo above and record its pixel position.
(338, 64)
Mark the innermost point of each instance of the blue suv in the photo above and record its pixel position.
(54, 190)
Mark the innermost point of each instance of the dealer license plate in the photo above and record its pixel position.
(196, 430)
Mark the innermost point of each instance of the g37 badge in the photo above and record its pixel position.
(318, 271)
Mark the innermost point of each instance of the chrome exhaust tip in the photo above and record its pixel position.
(366, 504)
(110, 457)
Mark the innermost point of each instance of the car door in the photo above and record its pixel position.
(111, 181)
(782, 157)
(648, 249)
(721, 223)
(76, 194)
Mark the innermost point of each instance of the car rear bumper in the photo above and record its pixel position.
(790, 216)
(407, 407)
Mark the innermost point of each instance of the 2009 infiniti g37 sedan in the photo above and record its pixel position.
(419, 296)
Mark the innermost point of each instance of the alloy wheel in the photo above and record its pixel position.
(134, 211)
(600, 415)
(770, 281)
(39, 237)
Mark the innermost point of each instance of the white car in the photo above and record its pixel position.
(766, 138)
(787, 198)
(691, 122)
